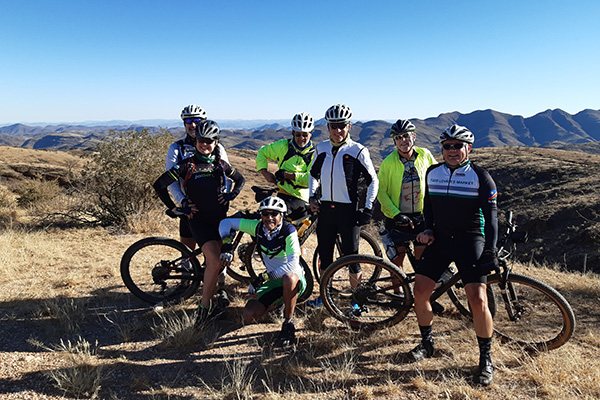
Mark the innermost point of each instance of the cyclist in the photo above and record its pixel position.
(293, 157)
(337, 166)
(203, 176)
(402, 186)
(191, 115)
(460, 225)
(277, 241)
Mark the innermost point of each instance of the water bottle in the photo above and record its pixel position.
(306, 222)
(388, 244)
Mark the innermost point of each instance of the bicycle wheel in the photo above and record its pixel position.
(380, 301)
(367, 245)
(158, 269)
(535, 315)
(458, 296)
(238, 269)
(310, 283)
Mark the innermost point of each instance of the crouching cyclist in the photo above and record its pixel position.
(277, 241)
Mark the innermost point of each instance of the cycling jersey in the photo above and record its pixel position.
(461, 202)
(280, 249)
(337, 173)
(291, 159)
(179, 151)
(391, 173)
(202, 183)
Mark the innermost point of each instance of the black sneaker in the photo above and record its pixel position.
(422, 351)
(287, 336)
(222, 298)
(437, 308)
(485, 372)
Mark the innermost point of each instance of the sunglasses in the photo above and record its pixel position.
(205, 140)
(338, 125)
(453, 146)
(304, 135)
(190, 120)
(269, 213)
(404, 136)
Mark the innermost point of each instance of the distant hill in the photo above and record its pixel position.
(491, 128)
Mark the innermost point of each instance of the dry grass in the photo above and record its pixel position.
(57, 284)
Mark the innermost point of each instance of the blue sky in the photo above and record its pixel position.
(68, 61)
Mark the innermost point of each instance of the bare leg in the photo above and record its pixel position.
(423, 288)
(212, 251)
(482, 318)
(291, 285)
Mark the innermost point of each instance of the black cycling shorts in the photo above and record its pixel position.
(464, 251)
(184, 228)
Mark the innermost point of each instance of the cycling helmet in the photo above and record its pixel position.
(459, 133)
(273, 203)
(401, 126)
(338, 113)
(303, 122)
(208, 129)
(193, 111)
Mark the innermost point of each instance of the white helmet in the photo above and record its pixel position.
(193, 111)
(401, 126)
(338, 113)
(303, 122)
(459, 133)
(273, 203)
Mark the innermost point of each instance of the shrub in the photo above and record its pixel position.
(37, 193)
(118, 179)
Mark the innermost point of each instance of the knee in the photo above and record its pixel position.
(290, 281)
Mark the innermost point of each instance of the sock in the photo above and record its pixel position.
(426, 333)
(485, 349)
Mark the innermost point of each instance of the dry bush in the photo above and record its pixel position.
(83, 376)
(38, 194)
(7, 197)
(69, 313)
(236, 383)
(175, 329)
(117, 182)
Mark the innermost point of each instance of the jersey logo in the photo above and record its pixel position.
(493, 195)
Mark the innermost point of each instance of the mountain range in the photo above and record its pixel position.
(551, 128)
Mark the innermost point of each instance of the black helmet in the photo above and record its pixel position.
(208, 129)
(401, 126)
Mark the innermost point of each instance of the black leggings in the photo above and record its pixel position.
(296, 208)
(337, 218)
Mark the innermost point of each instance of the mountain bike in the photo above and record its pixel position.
(305, 225)
(525, 310)
(164, 270)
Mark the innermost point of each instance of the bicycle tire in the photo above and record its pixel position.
(373, 304)
(367, 245)
(545, 319)
(458, 297)
(238, 269)
(159, 269)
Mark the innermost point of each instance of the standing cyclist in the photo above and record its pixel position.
(402, 186)
(293, 157)
(184, 148)
(204, 177)
(277, 241)
(337, 166)
(460, 225)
